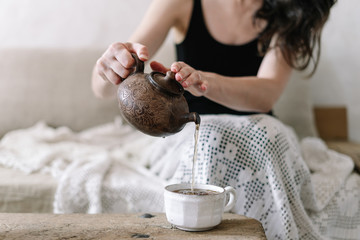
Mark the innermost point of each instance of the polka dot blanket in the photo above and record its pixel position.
(297, 191)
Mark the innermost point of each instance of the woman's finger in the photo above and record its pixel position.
(140, 50)
(120, 53)
(120, 69)
(158, 67)
(177, 66)
(111, 76)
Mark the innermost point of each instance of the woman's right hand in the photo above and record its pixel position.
(117, 63)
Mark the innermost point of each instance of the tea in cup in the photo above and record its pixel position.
(199, 208)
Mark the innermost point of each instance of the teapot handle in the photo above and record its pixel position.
(139, 65)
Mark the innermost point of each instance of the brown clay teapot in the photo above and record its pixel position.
(154, 103)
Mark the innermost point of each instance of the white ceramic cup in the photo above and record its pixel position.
(194, 212)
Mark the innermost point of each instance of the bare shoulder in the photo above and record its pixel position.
(175, 8)
(161, 16)
(176, 5)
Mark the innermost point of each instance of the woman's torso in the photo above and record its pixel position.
(203, 51)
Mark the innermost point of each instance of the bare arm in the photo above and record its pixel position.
(254, 93)
(117, 63)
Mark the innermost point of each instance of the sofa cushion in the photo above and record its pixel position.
(53, 85)
(24, 193)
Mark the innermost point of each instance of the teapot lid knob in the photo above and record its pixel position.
(169, 75)
(166, 83)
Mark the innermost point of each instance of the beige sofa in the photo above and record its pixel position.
(53, 85)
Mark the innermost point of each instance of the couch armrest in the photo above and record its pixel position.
(348, 148)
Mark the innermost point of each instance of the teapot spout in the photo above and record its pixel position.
(192, 117)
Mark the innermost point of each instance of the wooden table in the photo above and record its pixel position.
(119, 226)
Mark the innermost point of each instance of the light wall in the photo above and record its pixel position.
(68, 23)
(337, 81)
(98, 23)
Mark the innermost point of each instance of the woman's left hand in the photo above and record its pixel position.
(191, 79)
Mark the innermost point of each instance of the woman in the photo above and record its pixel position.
(234, 58)
(237, 28)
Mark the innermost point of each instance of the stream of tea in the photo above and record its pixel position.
(196, 136)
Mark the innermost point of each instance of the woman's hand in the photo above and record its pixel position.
(158, 67)
(191, 79)
(117, 63)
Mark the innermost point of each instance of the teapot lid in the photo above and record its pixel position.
(166, 83)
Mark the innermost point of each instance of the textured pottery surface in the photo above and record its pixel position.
(154, 103)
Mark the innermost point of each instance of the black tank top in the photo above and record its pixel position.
(202, 52)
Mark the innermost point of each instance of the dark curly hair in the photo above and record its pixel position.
(297, 25)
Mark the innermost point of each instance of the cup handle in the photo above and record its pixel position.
(232, 198)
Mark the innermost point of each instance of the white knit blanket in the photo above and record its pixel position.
(297, 190)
